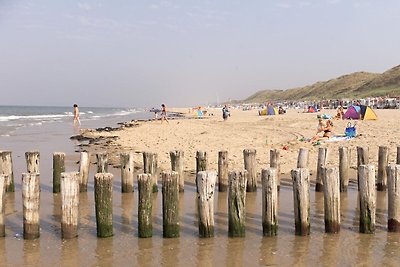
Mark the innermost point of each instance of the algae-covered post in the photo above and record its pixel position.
(103, 197)
(274, 164)
(177, 157)
(84, 165)
(223, 165)
(206, 188)
(362, 159)
(69, 204)
(383, 161)
(269, 201)
(249, 156)
(301, 199)
(237, 203)
(145, 206)
(150, 166)
(3, 182)
(322, 161)
(6, 168)
(170, 204)
(367, 198)
(31, 204)
(102, 162)
(393, 172)
(58, 168)
(302, 159)
(331, 182)
(344, 167)
(126, 160)
(32, 161)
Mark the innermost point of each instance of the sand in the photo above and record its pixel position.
(243, 130)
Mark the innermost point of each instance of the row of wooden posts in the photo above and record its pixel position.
(330, 180)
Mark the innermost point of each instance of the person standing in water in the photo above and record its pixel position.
(76, 115)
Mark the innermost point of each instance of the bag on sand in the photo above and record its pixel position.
(350, 131)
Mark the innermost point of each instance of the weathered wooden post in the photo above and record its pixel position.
(249, 156)
(201, 162)
(84, 165)
(301, 198)
(31, 204)
(331, 199)
(150, 166)
(237, 203)
(69, 204)
(367, 198)
(6, 168)
(383, 161)
(103, 197)
(32, 161)
(398, 156)
(126, 160)
(223, 165)
(3, 185)
(322, 161)
(269, 201)
(393, 175)
(362, 159)
(344, 167)
(302, 159)
(102, 162)
(177, 157)
(206, 186)
(58, 168)
(170, 203)
(145, 206)
(274, 164)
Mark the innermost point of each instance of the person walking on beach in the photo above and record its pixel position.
(163, 113)
(225, 113)
(76, 115)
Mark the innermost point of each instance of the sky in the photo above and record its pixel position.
(125, 53)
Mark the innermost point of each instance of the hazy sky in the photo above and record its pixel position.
(142, 53)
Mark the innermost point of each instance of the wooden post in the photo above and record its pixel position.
(177, 157)
(69, 204)
(102, 162)
(6, 168)
(103, 197)
(58, 168)
(249, 156)
(31, 204)
(393, 172)
(362, 159)
(126, 160)
(223, 165)
(206, 186)
(84, 165)
(201, 162)
(3, 185)
(344, 167)
(145, 206)
(301, 198)
(269, 201)
(32, 161)
(237, 203)
(150, 166)
(170, 203)
(302, 159)
(367, 198)
(383, 162)
(322, 161)
(398, 155)
(331, 183)
(274, 164)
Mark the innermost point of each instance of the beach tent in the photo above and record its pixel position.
(312, 109)
(354, 113)
(272, 111)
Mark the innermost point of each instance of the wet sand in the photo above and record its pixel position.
(348, 248)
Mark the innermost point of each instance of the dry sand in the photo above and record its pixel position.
(245, 129)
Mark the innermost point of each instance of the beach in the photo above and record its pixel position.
(242, 130)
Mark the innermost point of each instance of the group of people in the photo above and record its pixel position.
(325, 128)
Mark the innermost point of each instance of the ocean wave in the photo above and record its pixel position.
(34, 117)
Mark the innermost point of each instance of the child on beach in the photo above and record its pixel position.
(320, 126)
(76, 115)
